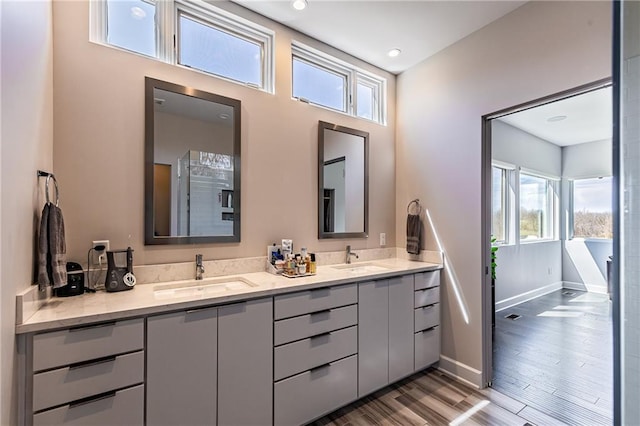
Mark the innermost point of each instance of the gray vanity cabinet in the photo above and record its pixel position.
(211, 366)
(401, 322)
(245, 363)
(427, 319)
(386, 332)
(182, 368)
(373, 336)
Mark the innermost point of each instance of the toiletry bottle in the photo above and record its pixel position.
(312, 263)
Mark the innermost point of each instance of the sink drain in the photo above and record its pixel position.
(513, 317)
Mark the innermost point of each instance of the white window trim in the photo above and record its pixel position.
(571, 209)
(552, 198)
(353, 74)
(506, 205)
(167, 13)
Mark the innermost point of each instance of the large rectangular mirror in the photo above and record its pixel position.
(192, 165)
(343, 182)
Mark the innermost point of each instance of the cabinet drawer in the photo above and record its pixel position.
(427, 348)
(427, 317)
(66, 347)
(428, 296)
(305, 354)
(68, 384)
(427, 279)
(307, 396)
(125, 407)
(304, 302)
(297, 328)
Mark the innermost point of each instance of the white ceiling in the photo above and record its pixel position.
(368, 29)
(589, 119)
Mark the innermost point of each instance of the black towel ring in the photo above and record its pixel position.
(417, 204)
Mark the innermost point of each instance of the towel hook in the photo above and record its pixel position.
(46, 188)
(417, 203)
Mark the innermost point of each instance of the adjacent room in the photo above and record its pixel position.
(553, 242)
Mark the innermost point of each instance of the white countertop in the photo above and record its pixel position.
(141, 300)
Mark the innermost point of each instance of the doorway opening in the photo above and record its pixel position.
(547, 207)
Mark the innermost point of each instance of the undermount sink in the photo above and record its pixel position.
(361, 267)
(205, 287)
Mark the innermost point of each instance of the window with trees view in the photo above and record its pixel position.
(592, 208)
(499, 203)
(536, 207)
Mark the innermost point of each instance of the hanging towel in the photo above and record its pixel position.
(414, 226)
(52, 248)
(57, 247)
(44, 263)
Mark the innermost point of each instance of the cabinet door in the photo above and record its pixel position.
(245, 363)
(181, 368)
(373, 336)
(401, 327)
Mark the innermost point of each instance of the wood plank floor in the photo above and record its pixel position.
(558, 357)
(431, 398)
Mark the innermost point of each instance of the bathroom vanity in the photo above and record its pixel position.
(278, 351)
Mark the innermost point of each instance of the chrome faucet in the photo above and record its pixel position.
(349, 254)
(199, 267)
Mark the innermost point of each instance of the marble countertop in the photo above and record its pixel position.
(144, 300)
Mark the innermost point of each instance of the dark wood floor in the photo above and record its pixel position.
(558, 357)
(430, 398)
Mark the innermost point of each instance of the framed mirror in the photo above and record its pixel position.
(192, 165)
(343, 182)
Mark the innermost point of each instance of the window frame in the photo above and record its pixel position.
(353, 76)
(166, 34)
(552, 219)
(504, 186)
(571, 209)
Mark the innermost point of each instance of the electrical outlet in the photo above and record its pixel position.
(101, 254)
(383, 239)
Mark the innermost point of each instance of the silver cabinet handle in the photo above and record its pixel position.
(91, 399)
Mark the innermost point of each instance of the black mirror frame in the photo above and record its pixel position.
(322, 126)
(149, 237)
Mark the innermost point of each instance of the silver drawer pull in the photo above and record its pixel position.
(320, 292)
(196, 310)
(87, 327)
(91, 399)
(92, 362)
(320, 367)
(323, 312)
(317, 336)
(429, 329)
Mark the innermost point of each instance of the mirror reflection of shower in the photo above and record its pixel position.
(334, 195)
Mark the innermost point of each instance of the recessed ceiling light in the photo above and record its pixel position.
(299, 4)
(223, 116)
(556, 118)
(394, 52)
(138, 13)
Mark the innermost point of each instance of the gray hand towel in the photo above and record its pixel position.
(414, 226)
(43, 250)
(57, 247)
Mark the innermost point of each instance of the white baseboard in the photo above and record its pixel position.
(570, 285)
(524, 297)
(460, 371)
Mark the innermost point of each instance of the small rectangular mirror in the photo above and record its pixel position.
(343, 182)
(192, 165)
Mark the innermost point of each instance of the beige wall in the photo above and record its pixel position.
(99, 134)
(27, 145)
(539, 49)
